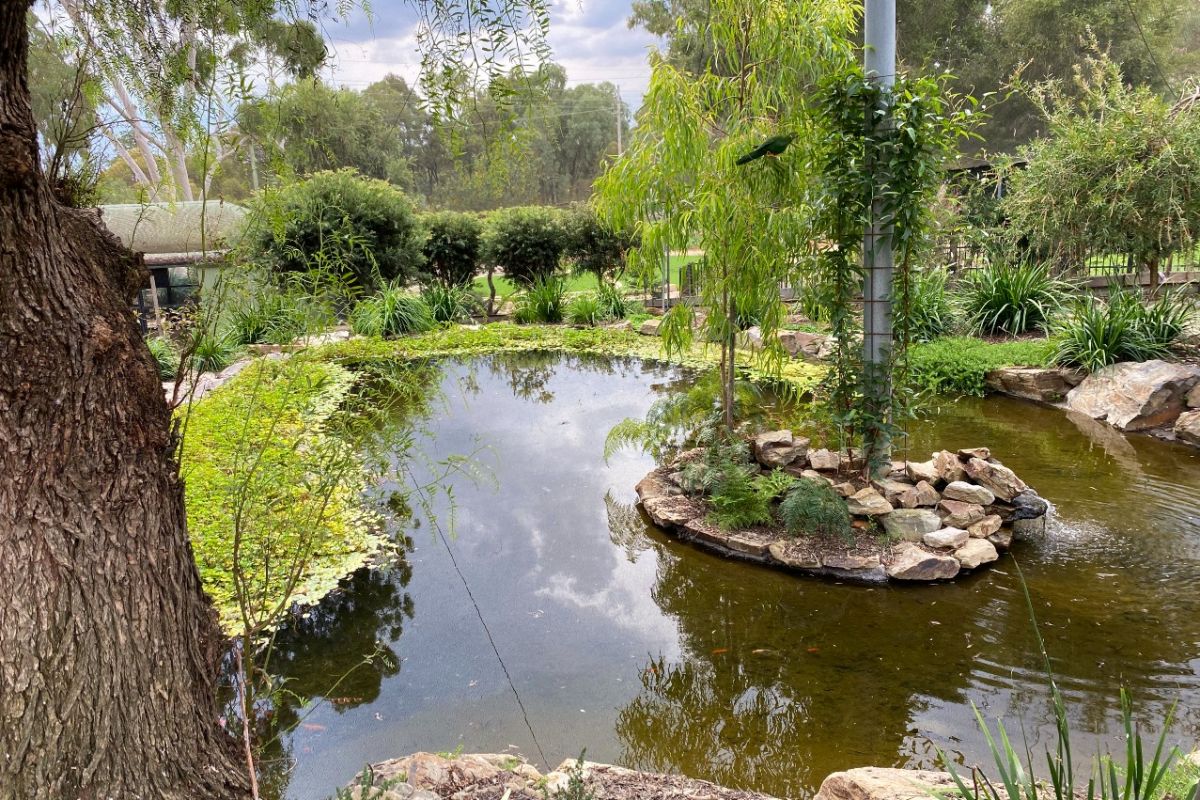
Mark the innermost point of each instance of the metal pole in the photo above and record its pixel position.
(879, 61)
(619, 120)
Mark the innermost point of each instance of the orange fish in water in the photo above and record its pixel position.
(719, 650)
(312, 726)
(814, 649)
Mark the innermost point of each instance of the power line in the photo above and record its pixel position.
(1150, 50)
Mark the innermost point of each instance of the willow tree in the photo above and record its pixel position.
(679, 182)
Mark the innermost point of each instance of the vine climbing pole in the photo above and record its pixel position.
(879, 61)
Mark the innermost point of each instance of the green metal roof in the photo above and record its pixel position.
(175, 227)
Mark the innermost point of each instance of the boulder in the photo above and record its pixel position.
(892, 489)
(974, 452)
(885, 783)
(923, 495)
(751, 338)
(948, 467)
(969, 493)
(1045, 385)
(824, 459)
(1193, 398)
(1001, 539)
(1133, 396)
(670, 512)
(959, 514)
(850, 561)
(919, 471)
(656, 484)
(946, 538)
(868, 503)
(801, 343)
(650, 327)
(985, 527)
(995, 476)
(1029, 528)
(910, 562)
(790, 554)
(778, 449)
(845, 489)
(1027, 505)
(975, 553)
(910, 524)
(1187, 427)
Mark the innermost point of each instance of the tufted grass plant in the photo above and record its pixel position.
(1012, 299)
(213, 350)
(450, 302)
(613, 302)
(165, 356)
(1097, 333)
(391, 312)
(585, 310)
(544, 301)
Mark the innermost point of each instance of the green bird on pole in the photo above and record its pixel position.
(771, 147)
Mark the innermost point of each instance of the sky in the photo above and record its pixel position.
(589, 38)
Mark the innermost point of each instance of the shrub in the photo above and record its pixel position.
(930, 313)
(813, 507)
(959, 364)
(213, 351)
(1099, 333)
(526, 242)
(278, 316)
(774, 485)
(337, 223)
(613, 303)
(453, 247)
(595, 247)
(542, 302)
(165, 357)
(391, 312)
(585, 310)
(450, 303)
(1006, 299)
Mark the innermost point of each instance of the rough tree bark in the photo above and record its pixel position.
(108, 646)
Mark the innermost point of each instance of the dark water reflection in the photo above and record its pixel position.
(653, 654)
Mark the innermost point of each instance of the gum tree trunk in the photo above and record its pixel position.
(108, 646)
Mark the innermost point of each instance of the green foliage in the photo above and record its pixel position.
(267, 314)
(1118, 172)
(593, 246)
(727, 476)
(775, 484)
(165, 356)
(526, 242)
(336, 223)
(614, 304)
(958, 365)
(1098, 333)
(1012, 299)
(452, 250)
(544, 301)
(390, 312)
(268, 483)
(450, 303)
(586, 310)
(930, 313)
(576, 788)
(813, 507)
(212, 350)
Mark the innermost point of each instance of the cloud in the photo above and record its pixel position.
(589, 38)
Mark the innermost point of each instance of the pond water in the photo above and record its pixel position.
(653, 654)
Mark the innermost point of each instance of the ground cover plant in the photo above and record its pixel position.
(959, 364)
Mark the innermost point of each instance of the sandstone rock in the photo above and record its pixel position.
(656, 485)
(1034, 383)
(923, 495)
(801, 343)
(650, 327)
(868, 503)
(670, 512)
(974, 452)
(910, 524)
(946, 537)
(824, 459)
(1187, 427)
(850, 561)
(704, 531)
(751, 338)
(1001, 539)
(791, 555)
(926, 471)
(813, 475)
(960, 514)
(948, 467)
(779, 449)
(1029, 528)
(845, 489)
(912, 563)
(882, 783)
(1000, 479)
(985, 527)
(969, 493)
(892, 489)
(975, 553)
(1193, 401)
(1133, 396)
(749, 544)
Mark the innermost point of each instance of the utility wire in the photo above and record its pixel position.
(1150, 50)
(446, 543)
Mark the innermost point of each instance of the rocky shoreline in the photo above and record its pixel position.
(941, 518)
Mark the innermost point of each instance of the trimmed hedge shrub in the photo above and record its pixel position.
(453, 248)
(527, 242)
(340, 224)
(593, 246)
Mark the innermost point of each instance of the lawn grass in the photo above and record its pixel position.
(576, 282)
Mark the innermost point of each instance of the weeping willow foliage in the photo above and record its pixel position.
(678, 184)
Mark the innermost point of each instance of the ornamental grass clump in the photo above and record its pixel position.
(213, 351)
(450, 303)
(1012, 299)
(391, 312)
(544, 301)
(1098, 333)
(930, 313)
(586, 310)
(613, 303)
(165, 357)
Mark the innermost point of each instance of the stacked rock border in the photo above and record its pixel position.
(955, 513)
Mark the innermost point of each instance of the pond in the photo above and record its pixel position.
(653, 654)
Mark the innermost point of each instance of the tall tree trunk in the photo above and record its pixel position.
(108, 646)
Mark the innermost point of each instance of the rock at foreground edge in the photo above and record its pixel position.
(1133, 396)
(882, 783)
(911, 563)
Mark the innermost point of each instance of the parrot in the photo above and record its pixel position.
(771, 147)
